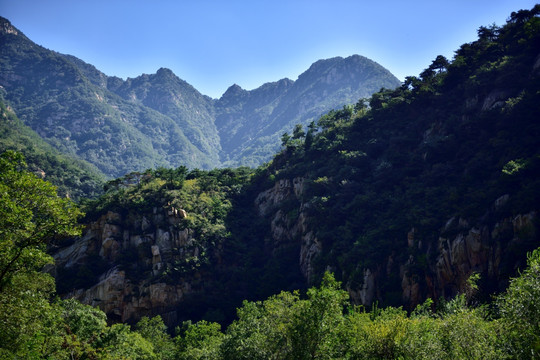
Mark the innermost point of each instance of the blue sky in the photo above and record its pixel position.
(213, 44)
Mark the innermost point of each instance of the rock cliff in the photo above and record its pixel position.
(439, 269)
(135, 252)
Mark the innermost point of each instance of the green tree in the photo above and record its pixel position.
(285, 139)
(520, 311)
(31, 215)
(200, 341)
(262, 330)
(310, 135)
(155, 331)
(298, 132)
(86, 322)
(119, 342)
(315, 328)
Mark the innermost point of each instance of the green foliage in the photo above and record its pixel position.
(31, 215)
(155, 331)
(287, 327)
(520, 310)
(444, 145)
(315, 325)
(84, 321)
(200, 341)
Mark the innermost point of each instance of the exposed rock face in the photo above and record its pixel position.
(122, 300)
(445, 266)
(291, 228)
(471, 249)
(156, 242)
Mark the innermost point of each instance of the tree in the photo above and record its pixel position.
(298, 132)
(315, 327)
(285, 139)
(440, 64)
(488, 33)
(200, 341)
(155, 331)
(310, 136)
(31, 215)
(262, 329)
(520, 310)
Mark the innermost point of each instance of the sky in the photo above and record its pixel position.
(213, 44)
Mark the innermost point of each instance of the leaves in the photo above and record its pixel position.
(31, 215)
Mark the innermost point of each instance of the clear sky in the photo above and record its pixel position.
(213, 44)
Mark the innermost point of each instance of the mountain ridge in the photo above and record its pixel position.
(159, 119)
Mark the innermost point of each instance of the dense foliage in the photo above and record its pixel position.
(321, 325)
(31, 215)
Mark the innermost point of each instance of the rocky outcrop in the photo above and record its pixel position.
(292, 227)
(122, 300)
(463, 250)
(432, 269)
(136, 251)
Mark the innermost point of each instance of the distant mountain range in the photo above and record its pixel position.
(157, 120)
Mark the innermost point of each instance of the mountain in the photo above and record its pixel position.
(166, 93)
(73, 177)
(68, 104)
(403, 196)
(252, 122)
(157, 120)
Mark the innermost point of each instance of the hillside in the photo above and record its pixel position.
(403, 196)
(67, 102)
(153, 120)
(73, 177)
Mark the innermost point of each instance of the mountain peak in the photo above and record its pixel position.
(7, 28)
(234, 90)
(165, 72)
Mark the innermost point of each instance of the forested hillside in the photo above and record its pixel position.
(410, 191)
(73, 177)
(66, 102)
(251, 122)
(401, 226)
